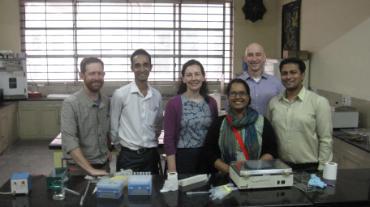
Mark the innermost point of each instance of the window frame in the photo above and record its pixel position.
(178, 59)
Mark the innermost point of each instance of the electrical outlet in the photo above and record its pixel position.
(346, 100)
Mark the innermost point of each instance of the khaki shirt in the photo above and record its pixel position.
(85, 124)
(303, 126)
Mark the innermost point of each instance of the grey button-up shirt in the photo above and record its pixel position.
(85, 124)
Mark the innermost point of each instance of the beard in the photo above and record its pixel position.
(94, 86)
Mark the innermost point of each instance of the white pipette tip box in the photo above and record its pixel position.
(110, 188)
(193, 180)
(140, 185)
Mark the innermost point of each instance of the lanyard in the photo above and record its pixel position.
(238, 138)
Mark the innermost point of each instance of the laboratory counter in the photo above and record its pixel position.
(56, 142)
(352, 189)
(359, 140)
(7, 103)
(56, 146)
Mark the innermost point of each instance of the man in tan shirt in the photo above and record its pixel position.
(85, 123)
(302, 120)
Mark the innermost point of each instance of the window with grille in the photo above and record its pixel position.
(57, 34)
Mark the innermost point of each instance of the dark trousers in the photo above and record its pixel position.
(142, 160)
(189, 161)
(74, 169)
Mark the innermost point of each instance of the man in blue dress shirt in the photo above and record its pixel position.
(263, 86)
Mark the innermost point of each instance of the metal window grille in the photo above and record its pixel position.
(57, 34)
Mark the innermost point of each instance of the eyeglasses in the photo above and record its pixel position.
(240, 94)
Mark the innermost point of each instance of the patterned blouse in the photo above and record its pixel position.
(195, 121)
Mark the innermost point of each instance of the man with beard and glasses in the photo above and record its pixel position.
(136, 118)
(263, 86)
(85, 123)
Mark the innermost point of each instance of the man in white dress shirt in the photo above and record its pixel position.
(136, 118)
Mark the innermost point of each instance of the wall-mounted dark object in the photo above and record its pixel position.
(290, 31)
(254, 9)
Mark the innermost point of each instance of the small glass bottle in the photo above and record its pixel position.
(59, 192)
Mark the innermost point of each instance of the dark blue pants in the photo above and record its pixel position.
(190, 161)
(142, 160)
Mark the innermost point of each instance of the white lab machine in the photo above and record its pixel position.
(254, 174)
(13, 78)
(20, 183)
(345, 117)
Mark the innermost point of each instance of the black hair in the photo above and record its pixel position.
(182, 86)
(89, 60)
(140, 52)
(297, 61)
(241, 81)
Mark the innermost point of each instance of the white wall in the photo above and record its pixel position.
(343, 66)
(10, 38)
(337, 32)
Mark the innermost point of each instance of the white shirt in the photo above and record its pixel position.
(136, 121)
(256, 79)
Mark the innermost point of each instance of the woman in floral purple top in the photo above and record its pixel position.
(187, 118)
